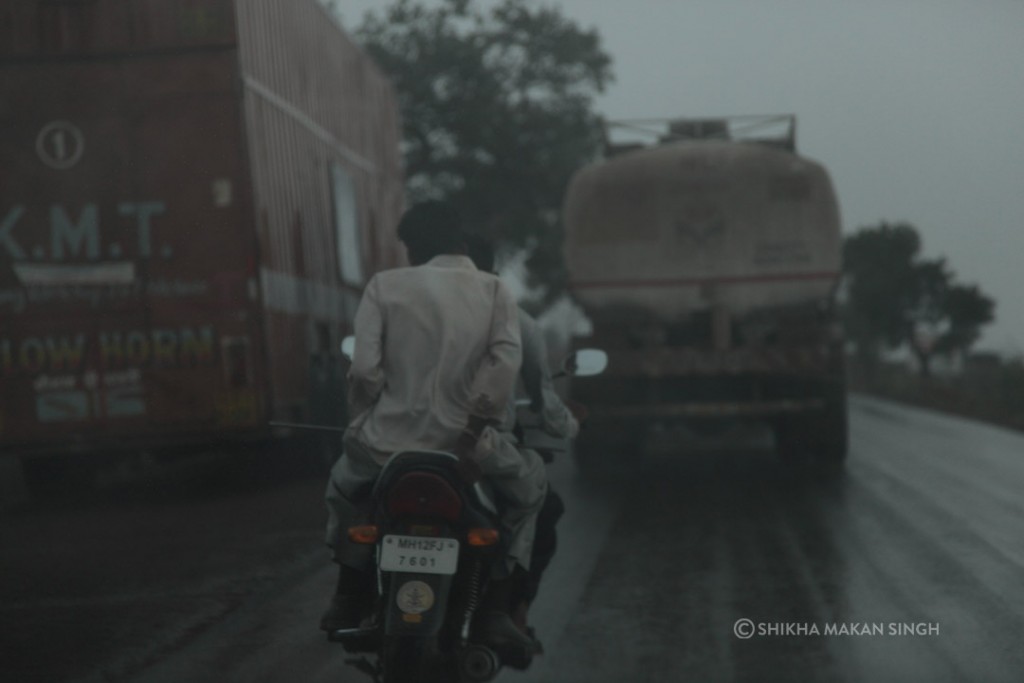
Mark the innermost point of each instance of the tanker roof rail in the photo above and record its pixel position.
(775, 130)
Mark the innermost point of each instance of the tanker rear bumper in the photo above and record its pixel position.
(806, 414)
(709, 409)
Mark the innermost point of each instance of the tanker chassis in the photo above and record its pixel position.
(708, 264)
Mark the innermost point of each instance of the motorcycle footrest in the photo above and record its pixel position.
(356, 639)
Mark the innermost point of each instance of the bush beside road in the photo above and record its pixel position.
(992, 391)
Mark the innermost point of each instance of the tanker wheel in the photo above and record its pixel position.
(818, 442)
(608, 447)
(61, 476)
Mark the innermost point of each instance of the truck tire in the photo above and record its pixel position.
(818, 441)
(604, 448)
(59, 476)
(833, 445)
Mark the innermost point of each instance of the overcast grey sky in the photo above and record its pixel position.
(915, 106)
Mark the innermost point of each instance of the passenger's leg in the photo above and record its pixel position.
(544, 545)
(520, 481)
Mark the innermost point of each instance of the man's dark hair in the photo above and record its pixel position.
(431, 228)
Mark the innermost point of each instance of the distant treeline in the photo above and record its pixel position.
(988, 388)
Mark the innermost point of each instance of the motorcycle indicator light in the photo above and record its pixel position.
(422, 494)
(482, 537)
(366, 534)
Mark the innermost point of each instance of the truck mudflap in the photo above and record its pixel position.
(704, 409)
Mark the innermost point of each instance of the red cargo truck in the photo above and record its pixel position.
(192, 195)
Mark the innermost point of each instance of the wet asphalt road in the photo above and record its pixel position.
(915, 559)
(97, 586)
(918, 552)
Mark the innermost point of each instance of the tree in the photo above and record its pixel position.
(877, 263)
(895, 298)
(497, 111)
(968, 308)
(926, 313)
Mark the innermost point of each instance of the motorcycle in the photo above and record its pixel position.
(435, 538)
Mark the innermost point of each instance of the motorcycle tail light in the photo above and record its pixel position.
(366, 534)
(422, 494)
(482, 537)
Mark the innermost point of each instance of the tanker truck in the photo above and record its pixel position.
(708, 264)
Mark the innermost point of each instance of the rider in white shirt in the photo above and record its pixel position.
(435, 364)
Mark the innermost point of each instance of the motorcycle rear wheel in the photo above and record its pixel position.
(407, 659)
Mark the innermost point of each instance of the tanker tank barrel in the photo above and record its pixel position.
(706, 252)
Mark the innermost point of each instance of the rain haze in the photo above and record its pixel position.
(915, 107)
(197, 197)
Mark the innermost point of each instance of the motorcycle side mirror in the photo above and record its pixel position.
(348, 346)
(585, 363)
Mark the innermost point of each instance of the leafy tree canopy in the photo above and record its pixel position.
(967, 309)
(894, 297)
(496, 108)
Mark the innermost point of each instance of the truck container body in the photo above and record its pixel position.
(192, 195)
(708, 267)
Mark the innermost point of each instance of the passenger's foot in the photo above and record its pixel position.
(520, 619)
(519, 616)
(515, 647)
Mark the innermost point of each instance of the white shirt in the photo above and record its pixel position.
(555, 417)
(434, 344)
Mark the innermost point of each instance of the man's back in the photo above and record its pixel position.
(435, 343)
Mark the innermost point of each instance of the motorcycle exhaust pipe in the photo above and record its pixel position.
(479, 664)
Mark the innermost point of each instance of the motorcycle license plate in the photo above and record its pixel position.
(421, 554)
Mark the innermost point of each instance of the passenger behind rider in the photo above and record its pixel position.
(556, 419)
(436, 358)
